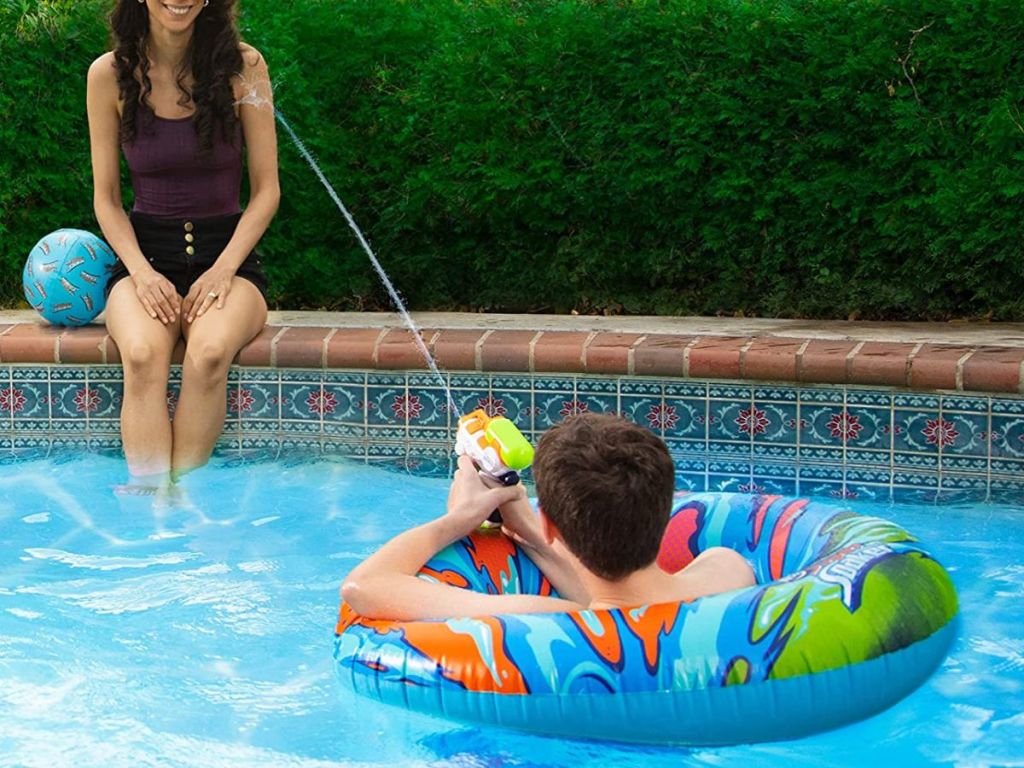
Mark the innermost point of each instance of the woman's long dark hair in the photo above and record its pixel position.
(212, 58)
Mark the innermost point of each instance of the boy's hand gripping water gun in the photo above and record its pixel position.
(497, 448)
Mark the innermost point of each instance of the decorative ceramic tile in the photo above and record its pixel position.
(596, 386)
(825, 425)
(776, 394)
(688, 448)
(554, 384)
(1007, 435)
(742, 450)
(682, 389)
(304, 429)
(966, 403)
(385, 379)
(820, 473)
(387, 405)
(869, 397)
(21, 373)
(69, 426)
(964, 482)
(774, 422)
(862, 456)
(653, 388)
(273, 376)
(738, 392)
(552, 408)
(468, 400)
(678, 418)
(822, 396)
(511, 381)
(1008, 468)
(396, 434)
(865, 427)
(66, 373)
(915, 400)
(917, 461)
(920, 431)
(732, 421)
(339, 430)
(597, 403)
(253, 400)
(426, 407)
(27, 399)
(769, 452)
(820, 455)
(648, 411)
(1008, 406)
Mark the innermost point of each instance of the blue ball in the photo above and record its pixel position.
(66, 275)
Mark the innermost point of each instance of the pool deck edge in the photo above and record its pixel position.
(967, 357)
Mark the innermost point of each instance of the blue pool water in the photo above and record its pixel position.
(199, 634)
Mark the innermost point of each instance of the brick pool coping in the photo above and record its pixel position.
(978, 357)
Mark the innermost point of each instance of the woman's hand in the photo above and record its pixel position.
(470, 501)
(213, 285)
(158, 295)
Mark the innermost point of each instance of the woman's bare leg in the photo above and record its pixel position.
(213, 340)
(145, 345)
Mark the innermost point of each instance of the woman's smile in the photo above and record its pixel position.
(178, 11)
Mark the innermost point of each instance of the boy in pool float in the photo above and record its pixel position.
(605, 489)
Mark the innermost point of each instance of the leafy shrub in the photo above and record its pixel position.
(765, 157)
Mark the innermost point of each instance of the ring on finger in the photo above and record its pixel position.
(211, 295)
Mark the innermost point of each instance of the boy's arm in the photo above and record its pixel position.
(385, 585)
(520, 522)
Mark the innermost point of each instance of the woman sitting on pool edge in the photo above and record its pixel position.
(181, 95)
(605, 489)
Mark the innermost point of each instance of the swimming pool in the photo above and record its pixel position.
(200, 633)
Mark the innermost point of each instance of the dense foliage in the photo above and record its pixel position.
(770, 157)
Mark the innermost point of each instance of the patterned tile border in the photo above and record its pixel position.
(992, 362)
(839, 441)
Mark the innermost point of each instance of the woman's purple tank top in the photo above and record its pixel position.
(172, 179)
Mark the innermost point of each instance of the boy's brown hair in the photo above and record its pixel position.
(607, 484)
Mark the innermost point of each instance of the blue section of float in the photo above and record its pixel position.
(769, 711)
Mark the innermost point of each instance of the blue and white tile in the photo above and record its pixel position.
(774, 422)
(647, 411)
(687, 390)
(866, 427)
(869, 397)
(915, 401)
(730, 420)
(681, 418)
(654, 388)
(966, 404)
(776, 394)
(1009, 406)
(1007, 436)
(823, 425)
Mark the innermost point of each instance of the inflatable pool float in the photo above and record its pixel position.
(849, 615)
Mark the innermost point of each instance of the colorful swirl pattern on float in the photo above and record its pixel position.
(849, 615)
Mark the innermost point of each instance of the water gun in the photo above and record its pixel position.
(497, 448)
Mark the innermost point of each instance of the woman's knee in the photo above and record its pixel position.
(209, 357)
(145, 361)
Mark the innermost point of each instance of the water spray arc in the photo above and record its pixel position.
(399, 304)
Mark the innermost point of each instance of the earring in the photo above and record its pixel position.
(206, 3)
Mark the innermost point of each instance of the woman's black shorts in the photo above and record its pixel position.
(182, 249)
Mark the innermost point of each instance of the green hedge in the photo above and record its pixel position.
(813, 158)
